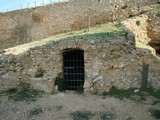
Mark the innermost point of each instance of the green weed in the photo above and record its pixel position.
(106, 116)
(35, 112)
(156, 102)
(129, 93)
(138, 23)
(59, 81)
(22, 93)
(153, 92)
(119, 25)
(81, 115)
(8, 91)
(157, 10)
(96, 35)
(80, 89)
(155, 113)
(125, 33)
(118, 93)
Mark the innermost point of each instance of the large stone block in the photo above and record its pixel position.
(40, 84)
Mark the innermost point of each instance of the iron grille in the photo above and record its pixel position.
(73, 69)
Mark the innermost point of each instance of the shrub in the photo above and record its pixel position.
(138, 23)
(125, 34)
(22, 93)
(154, 93)
(119, 25)
(81, 115)
(106, 116)
(118, 93)
(129, 93)
(80, 89)
(39, 17)
(155, 113)
(59, 81)
(11, 91)
(35, 111)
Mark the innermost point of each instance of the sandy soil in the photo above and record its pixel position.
(65, 106)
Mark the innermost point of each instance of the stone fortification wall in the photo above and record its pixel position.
(23, 26)
(107, 63)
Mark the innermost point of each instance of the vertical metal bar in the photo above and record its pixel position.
(79, 67)
(72, 64)
(139, 9)
(144, 76)
(34, 3)
(63, 67)
(75, 65)
(67, 69)
(66, 60)
(42, 2)
(135, 5)
(28, 4)
(75, 75)
(89, 24)
(69, 77)
(112, 16)
(72, 74)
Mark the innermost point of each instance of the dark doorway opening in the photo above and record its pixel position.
(156, 46)
(73, 69)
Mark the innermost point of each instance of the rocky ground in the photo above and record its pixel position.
(74, 106)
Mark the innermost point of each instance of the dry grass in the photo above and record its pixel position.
(104, 28)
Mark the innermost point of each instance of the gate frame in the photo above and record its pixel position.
(73, 49)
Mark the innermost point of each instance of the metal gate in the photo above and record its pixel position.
(73, 69)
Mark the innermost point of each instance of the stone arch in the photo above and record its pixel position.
(63, 46)
(70, 44)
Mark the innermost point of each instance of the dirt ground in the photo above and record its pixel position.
(73, 106)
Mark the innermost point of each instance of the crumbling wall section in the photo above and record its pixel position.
(107, 64)
(154, 30)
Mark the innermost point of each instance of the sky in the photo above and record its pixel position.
(10, 5)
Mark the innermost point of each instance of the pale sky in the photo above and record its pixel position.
(17, 4)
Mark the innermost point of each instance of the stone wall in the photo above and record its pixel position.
(154, 30)
(23, 26)
(146, 29)
(139, 26)
(107, 63)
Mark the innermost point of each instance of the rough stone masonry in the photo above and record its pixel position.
(108, 63)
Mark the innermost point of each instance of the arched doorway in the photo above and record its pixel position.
(73, 69)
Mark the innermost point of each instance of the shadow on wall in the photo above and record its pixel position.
(21, 34)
